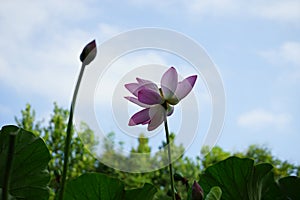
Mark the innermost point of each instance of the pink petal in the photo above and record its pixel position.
(137, 102)
(146, 122)
(184, 87)
(149, 97)
(133, 88)
(147, 84)
(169, 82)
(156, 117)
(140, 117)
(143, 81)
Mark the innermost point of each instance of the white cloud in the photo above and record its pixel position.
(291, 52)
(287, 53)
(49, 71)
(125, 67)
(156, 3)
(260, 118)
(287, 57)
(107, 30)
(279, 10)
(22, 19)
(192, 7)
(212, 7)
(39, 52)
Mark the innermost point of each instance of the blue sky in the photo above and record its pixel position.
(256, 46)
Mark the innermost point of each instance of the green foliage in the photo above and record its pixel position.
(236, 171)
(94, 186)
(214, 194)
(262, 154)
(29, 176)
(27, 121)
(99, 186)
(213, 156)
(147, 192)
(143, 146)
(159, 178)
(290, 187)
(54, 134)
(9, 196)
(239, 178)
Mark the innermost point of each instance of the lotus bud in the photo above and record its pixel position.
(197, 191)
(88, 53)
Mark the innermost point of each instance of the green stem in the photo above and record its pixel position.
(169, 157)
(69, 135)
(9, 160)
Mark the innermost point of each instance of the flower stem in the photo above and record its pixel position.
(69, 135)
(169, 158)
(9, 160)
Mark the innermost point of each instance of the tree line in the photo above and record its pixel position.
(81, 160)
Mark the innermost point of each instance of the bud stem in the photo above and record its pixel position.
(69, 135)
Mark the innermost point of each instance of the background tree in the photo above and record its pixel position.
(213, 156)
(82, 161)
(54, 134)
(28, 122)
(160, 178)
(262, 154)
(259, 153)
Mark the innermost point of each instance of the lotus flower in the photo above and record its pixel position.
(158, 102)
